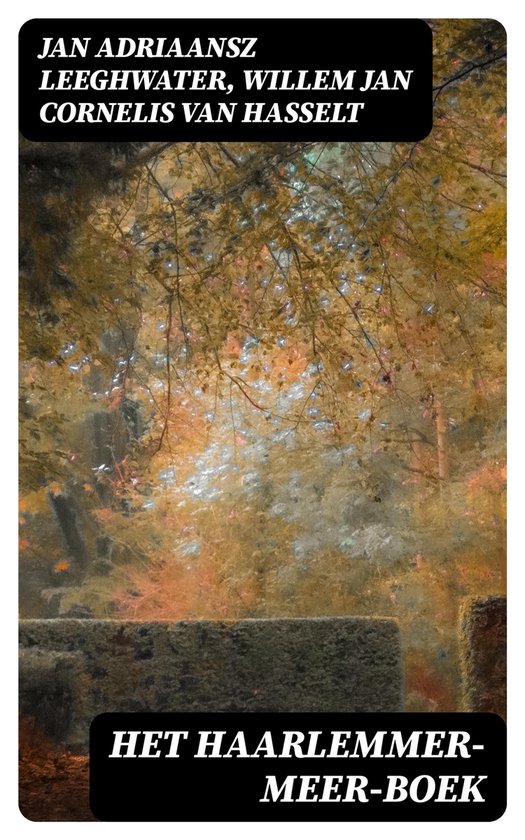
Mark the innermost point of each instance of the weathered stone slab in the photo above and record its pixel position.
(265, 665)
(483, 651)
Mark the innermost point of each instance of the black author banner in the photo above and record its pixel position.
(227, 79)
(297, 767)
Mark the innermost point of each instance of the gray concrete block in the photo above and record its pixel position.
(265, 665)
(483, 652)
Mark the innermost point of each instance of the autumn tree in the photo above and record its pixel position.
(268, 378)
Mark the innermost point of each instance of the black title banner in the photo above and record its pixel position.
(227, 79)
(297, 767)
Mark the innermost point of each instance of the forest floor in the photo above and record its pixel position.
(55, 788)
(53, 783)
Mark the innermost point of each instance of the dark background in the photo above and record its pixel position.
(395, 116)
(201, 789)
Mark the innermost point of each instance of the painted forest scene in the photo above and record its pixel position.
(269, 379)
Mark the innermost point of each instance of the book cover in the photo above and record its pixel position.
(262, 417)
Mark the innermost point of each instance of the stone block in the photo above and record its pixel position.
(48, 691)
(483, 652)
(255, 665)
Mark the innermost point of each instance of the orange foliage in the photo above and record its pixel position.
(288, 363)
(471, 575)
(494, 271)
(418, 332)
(61, 566)
(177, 589)
(427, 683)
(104, 514)
(491, 477)
(232, 347)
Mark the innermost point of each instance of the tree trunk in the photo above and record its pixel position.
(442, 442)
